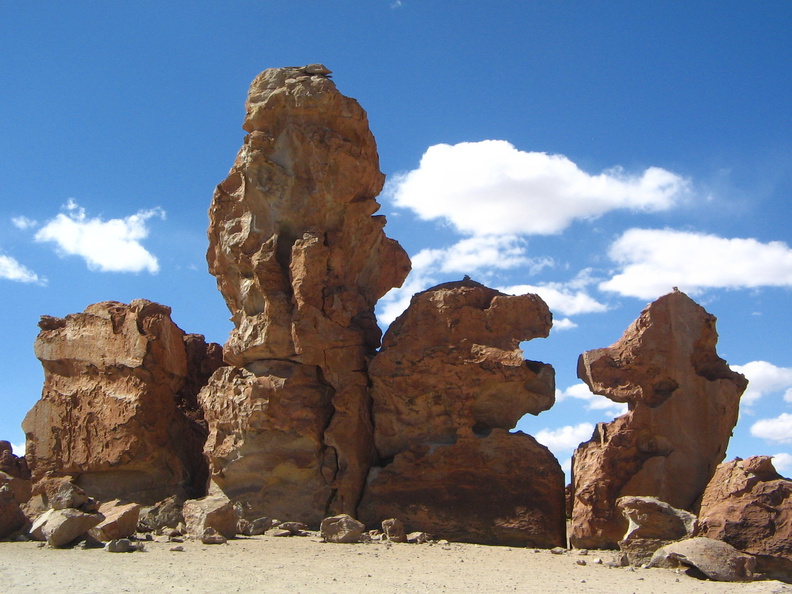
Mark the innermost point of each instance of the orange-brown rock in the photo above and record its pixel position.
(12, 464)
(503, 489)
(447, 385)
(114, 412)
(749, 505)
(683, 404)
(451, 365)
(301, 261)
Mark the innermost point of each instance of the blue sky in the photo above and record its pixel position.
(596, 153)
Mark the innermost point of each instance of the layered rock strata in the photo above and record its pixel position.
(447, 385)
(301, 261)
(749, 505)
(117, 412)
(683, 404)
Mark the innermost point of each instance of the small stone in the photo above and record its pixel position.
(597, 561)
(581, 562)
(177, 549)
(119, 545)
(417, 537)
(583, 552)
(558, 551)
(278, 532)
(212, 536)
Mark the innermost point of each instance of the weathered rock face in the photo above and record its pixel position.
(749, 505)
(11, 464)
(713, 559)
(114, 412)
(448, 384)
(301, 262)
(683, 404)
(652, 525)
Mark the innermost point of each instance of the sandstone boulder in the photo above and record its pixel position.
(112, 412)
(213, 511)
(163, 514)
(11, 464)
(22, 489)
(342, 528)
(61, 527)
(652, 525)
(301, 262)
(120, 521)
(683, 404)
(448, 384)
(393, 530)
(715, 559)
(503, 489)
(12, 518)
(749, 505)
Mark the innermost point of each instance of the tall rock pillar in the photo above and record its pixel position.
(683, 404)
(301, 261)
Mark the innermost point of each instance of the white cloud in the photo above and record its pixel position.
(652, 261)
(565, 438)
(490, 187)
(108, 246)
(593, 401)
(18, 449)
(563, 324)
(778, 429)
(765, 378)
(782, 462)
(10, 269)
(479, 253)
(24, 223)
(560, 299)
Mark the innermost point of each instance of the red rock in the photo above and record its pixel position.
(12, 465)
(112, 413)
(652, 525)
(504, 489)
(301, 263)
(61, 527)
(447, 385)
(683, 404)
(213, 511)
(12, 518)
(120, 521)
(749, 505)
(717, 560)
(451, 366)
(393, 530)
(342, 528)
(22, 489)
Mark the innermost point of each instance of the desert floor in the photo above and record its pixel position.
(304, 564)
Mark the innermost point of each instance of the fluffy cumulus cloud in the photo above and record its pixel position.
(490, 187)
(565, 438)
(652, 261)
(11, 269)
(765, 378)
(592, 401)
(113, 245)
(778, 429)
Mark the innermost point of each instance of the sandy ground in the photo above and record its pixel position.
(304, 564)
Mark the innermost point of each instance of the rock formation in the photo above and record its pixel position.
(651, 524)
(447, 385)
(707, 558)
(683, 404)
(301, 263)
(117, 410)
(749, 505)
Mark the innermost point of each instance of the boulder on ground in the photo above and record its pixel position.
(652, 524)
(683, 405)
(120, 521)
(213, 511)
(715, 559)
(163, 514)
(212, 536)
(749, 505)
(12, 518)
(21, 488)
(61, 527)
(342, 528)
(394, 531)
